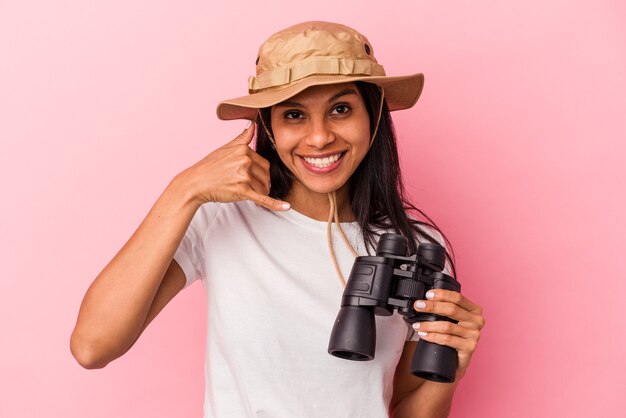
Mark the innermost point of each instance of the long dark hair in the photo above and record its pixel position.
(377, 195)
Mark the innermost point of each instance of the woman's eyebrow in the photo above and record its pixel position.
(341, 93)
(289, 103)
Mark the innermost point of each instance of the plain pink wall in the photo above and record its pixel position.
(516, 148)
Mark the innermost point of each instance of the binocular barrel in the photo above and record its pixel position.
(391, 280)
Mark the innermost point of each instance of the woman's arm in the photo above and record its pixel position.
(116, 307)
(418, 398)
(414, 397)
(142, 277)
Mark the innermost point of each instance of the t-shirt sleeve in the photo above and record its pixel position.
(190, 254)
(411, 335)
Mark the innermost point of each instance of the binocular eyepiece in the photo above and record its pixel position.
(390, 281)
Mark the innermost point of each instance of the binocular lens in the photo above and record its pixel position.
(434, 362)
(354, 334)
(392, 244)
(432, 255)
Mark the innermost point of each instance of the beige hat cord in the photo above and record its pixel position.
(334, 216)
(267, 131)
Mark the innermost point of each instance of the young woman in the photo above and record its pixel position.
(257, 228)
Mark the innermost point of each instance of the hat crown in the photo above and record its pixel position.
(313, 48)
(312, 41)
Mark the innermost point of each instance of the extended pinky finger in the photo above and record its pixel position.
(267, 201)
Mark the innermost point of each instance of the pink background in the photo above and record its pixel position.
(516, 148)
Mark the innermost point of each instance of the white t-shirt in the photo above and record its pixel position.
(272, 299)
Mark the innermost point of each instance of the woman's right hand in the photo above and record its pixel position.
(233, 173)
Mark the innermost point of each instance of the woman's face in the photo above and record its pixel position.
(322, 135)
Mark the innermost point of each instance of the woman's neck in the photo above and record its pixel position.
(317, 205)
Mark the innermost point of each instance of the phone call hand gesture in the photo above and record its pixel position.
(233, 173)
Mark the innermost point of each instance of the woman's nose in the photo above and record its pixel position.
(320, 133)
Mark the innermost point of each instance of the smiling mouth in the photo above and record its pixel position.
(323, 162)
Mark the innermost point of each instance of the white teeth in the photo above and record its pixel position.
(322, 162)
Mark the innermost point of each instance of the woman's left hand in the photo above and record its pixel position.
(463, 336)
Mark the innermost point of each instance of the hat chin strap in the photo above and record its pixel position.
(267, 131)
(332, 197)
(333, 216)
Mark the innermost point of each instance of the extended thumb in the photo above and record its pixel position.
(247, 134)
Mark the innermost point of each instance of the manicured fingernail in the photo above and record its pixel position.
(416, 326)
(430, 294)
(420, 305)
(286, 206)
(248, 125)
(422, 333)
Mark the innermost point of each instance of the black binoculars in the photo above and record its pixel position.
(387, 281)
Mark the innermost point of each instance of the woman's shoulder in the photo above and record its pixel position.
(428, 233)
(424, 232)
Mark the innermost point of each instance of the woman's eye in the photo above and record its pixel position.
(341, 109)
(293, 115)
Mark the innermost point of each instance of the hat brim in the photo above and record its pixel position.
(400, 93)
